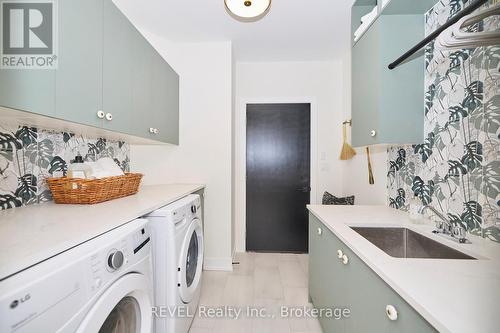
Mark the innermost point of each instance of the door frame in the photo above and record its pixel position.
(239, 172)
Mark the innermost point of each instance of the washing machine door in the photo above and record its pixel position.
(125, 307)
(191, 261)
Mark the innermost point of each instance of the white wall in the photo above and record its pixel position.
(320, 83)
(204, 152)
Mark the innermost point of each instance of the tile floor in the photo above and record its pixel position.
(265, 281)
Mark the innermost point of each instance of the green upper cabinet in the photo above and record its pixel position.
(108, 76)
(117, 70)
(388, 105)
(155, 91)
(79, 74)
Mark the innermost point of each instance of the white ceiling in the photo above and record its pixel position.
(292, 29)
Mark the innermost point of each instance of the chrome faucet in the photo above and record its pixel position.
(445, 227)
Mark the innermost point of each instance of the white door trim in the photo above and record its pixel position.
(240, 157)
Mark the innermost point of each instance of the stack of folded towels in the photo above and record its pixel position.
(104, 167)
(365, 23)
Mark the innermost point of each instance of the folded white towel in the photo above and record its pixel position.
(104, 167)
(365, 23)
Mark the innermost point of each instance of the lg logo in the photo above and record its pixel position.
(28, 34)
(16, 302)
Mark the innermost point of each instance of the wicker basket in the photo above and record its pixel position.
(87, 192)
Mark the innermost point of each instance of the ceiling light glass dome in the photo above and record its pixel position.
(247, 8)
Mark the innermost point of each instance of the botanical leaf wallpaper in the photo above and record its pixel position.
(457, 167)
(28, 156)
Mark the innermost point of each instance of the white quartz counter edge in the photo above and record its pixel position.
(452, 295)
(35, 233)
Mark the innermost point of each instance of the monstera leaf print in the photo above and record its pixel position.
(67, 136)
(487, 179)
(101, 144)
(44, 196)
(8, 201)
(429, 54)
(58, 164)
(456, 169)
(457, 113)
(27, 135)
(399, 201)
(456, 6)
(8, 144)
(491, 57)
(93, 152)
(473, 96)
(455, 220)
(473, 155)
(429, 98)
(423, 191)
(472, 215)
(425, 149)
(457, 59)
(40, 153)
(26, 188)
(492, 233)
(488, 118)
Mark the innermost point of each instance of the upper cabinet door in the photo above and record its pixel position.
(117, 69)
(366, 88)
(165, 107)
(142, 87)
(79, 76)
(30, 90)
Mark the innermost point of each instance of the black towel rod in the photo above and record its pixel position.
(466, 11)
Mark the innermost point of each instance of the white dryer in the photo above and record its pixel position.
(103, 285)
(178, 260)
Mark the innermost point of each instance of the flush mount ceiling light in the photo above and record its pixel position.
(248, 9)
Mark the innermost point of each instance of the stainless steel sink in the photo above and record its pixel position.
(405, 243)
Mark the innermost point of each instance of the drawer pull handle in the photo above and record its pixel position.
(391, 312)
(373, 133)
(100, 114)
(109, 116)
(340, 254)
(320, 231)
(345, 259)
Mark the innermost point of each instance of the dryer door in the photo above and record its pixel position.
(125, 307)
(191, 261)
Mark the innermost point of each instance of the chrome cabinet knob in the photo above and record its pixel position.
(320, 231)
(100, 114)
(109, 116)
(151, 130)
(340, 254)
(391, 312)
(156, 131)
(373, 133)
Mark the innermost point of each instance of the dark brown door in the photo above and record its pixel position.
(278, 177)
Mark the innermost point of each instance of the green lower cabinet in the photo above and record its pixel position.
(354, 286)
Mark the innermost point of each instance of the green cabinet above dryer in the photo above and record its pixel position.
(388, 105)
(108, 76)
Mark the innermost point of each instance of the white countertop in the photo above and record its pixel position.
(452, 295)
(35, 233)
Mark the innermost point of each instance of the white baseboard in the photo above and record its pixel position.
(218, 264)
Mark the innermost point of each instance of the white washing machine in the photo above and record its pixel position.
(177, 263)
(103, 285)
